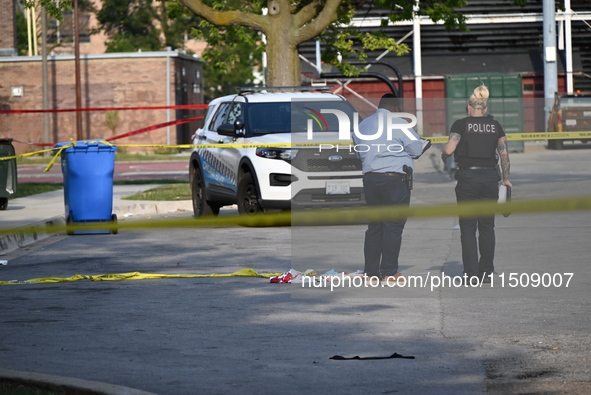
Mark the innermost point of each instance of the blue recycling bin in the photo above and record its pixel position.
(88, 168)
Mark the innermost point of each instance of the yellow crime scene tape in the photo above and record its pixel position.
(65, 146)
(248, 272)
(527, 136)
(433, 139)
(331, 217)
(59, 150)
(26, 154)
(548, 136)
(308, 218)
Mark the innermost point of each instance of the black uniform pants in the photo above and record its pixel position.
(384, 239)
(477, 253)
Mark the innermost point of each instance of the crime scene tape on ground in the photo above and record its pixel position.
(328, 217)
(248, 272)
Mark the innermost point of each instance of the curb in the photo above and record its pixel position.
(153, 207)
(28, 234)
(58, 383)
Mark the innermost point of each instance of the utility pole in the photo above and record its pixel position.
(550, 69)
(568, 46)
(77, 73)
(418, 66)
(44, 74)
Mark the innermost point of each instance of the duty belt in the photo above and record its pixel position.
(388, 173)
(479, 168)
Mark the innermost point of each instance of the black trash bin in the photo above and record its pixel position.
(7, 172)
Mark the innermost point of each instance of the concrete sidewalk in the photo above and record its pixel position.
(29, 216)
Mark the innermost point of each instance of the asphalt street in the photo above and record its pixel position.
(244, 335)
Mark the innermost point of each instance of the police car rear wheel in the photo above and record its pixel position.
(248, 197)
(201, 206)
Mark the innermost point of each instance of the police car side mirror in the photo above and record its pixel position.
(226, 129)
(233, 130)
(239, 128)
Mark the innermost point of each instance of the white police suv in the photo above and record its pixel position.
(261, 177)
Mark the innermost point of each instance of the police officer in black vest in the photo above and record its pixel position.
(476, 140)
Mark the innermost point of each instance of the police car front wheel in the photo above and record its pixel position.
(248, 196)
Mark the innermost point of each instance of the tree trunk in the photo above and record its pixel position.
(283, 63)
(283, 30)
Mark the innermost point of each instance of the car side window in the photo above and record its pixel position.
(235, 113)
(220, 117)
(209, 113)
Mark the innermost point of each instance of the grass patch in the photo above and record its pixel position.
(164, 156)
(119, 157)
(34, 188)
(164, 193)
(14, 388)
(148, 182)
(29, 189)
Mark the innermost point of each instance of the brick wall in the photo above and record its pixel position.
(7, 28)
(105, 82)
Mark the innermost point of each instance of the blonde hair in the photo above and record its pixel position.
(479, 97)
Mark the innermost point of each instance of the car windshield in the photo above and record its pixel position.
(292, 117)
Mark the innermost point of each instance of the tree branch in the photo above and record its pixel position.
(306, 13)
(318, 24)
(227, 18)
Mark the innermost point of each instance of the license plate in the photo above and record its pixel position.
(337, 188)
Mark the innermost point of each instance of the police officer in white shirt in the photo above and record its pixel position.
(383, 162)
